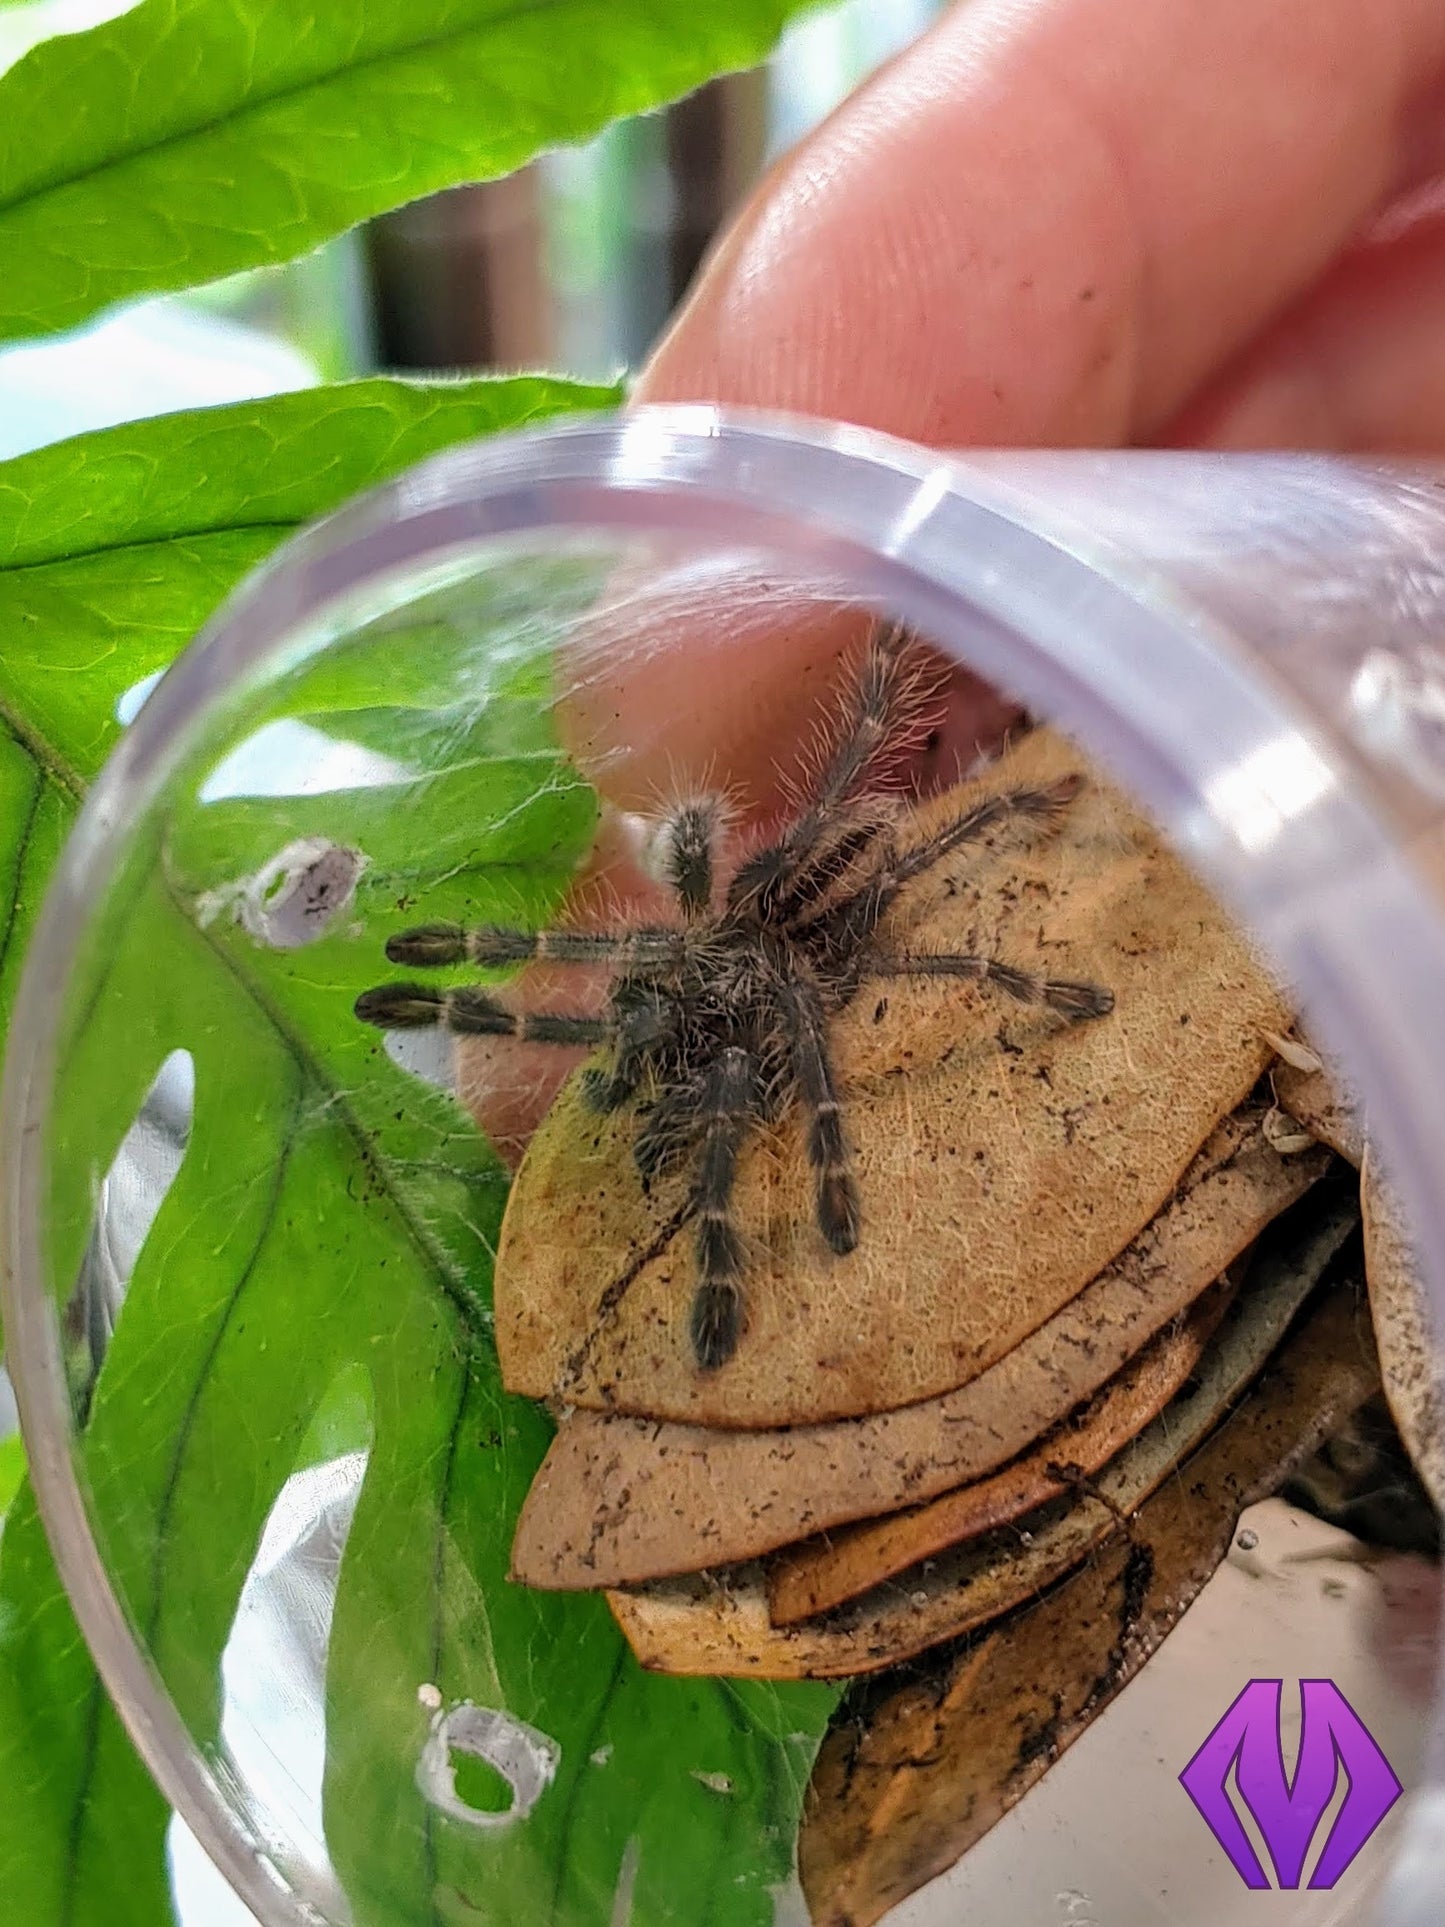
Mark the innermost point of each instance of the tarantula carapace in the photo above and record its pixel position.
(720, 1023)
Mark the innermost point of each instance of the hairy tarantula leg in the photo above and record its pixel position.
(642, 1022)
(472, 1013)
(449, 943)
(682, 852)
(670, 1129)
(727, 1107)
(886, 685)
(1076, 1001)
(855, 920)
(837, 1193)
(1044, 806)
(831, 874)
(885, 682)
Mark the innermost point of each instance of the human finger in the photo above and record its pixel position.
(1354, 366)
(1049, 221)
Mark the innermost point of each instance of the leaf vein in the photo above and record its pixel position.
(258, 103)
(27, 832)
(42, 753)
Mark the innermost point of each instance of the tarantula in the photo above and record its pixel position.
(720, 1023)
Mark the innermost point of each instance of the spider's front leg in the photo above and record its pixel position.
(730, 1098)
(838, 1207)
(468, 1012)
(492, 944)
(1042, 807)
(851, 924)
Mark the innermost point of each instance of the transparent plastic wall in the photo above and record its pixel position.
(1254, 646)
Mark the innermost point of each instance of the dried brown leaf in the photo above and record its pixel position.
(720, 1624)
(1285, 1135)
(621, 1500)
(922, 1770)
(822, 1573)
(1294, 1051)
(1409, 1354)
(1003, 1158)
(1315, 1100)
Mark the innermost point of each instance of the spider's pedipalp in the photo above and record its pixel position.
(1079, 1002)
(494, 944)
(683, 851)
(467, 1012)
(837, 1203)
(728, 1104)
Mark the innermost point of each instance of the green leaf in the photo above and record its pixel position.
(330, 1229)
(12, 1470)
(192, 138)
(116, 547)
(25, 23)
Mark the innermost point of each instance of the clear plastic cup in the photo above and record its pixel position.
(1252, 644)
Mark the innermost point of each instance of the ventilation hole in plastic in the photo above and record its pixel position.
(296, 897)
(291, 758)
(429, 1055)
(522, 1764)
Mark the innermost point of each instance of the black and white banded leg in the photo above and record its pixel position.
(878, 712)
(856, 919)
(836, 1191)
(1076, 1001)
(670, 1128)
(729, 1101)
(488, 944)
(1025, 808)
(468, 1012)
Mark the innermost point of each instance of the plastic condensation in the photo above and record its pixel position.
(1254, 645)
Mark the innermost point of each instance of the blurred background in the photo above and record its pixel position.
(572, 265)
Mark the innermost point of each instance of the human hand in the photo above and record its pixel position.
(1055, 222)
